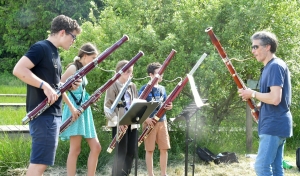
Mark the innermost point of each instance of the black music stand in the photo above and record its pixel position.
(186, 115)
(138, 113)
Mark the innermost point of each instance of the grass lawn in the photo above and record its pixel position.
(4, 89)
(12, 115)
(4, 99)
(177, 168)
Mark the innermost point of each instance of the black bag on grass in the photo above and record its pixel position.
(205, 154)
(224, 157)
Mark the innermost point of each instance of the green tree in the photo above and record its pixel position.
(156, 27)
(24, 22)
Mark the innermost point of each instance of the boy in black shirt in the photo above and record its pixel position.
(40, 69)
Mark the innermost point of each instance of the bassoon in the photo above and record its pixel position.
(143, 96)
(235, 76)
(67, 85)
(97, 94)
(170, 99)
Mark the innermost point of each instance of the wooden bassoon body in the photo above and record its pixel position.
(143, 96)
(68, 84)
(97, 94)
(240, 84)
(170, 98)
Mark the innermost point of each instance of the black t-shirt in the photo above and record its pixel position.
(47, 66)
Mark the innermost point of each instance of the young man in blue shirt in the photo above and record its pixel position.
(159, 133)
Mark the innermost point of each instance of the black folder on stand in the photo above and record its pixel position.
(138, 112)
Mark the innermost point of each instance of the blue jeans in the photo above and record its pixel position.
(270, 156)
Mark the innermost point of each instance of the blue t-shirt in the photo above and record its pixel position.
(276, 120)
(47, 66)
(158, 94)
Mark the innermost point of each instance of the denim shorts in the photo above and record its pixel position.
(44, 131)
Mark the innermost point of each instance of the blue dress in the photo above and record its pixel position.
(84, 125)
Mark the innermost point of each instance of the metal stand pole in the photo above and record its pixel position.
(187, 141)
(195, 144)
(136, 151)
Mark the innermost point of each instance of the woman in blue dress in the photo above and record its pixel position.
(83, 126)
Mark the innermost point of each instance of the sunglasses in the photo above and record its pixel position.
(255, 47)
(73, 36)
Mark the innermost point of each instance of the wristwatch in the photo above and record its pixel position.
(253, 94)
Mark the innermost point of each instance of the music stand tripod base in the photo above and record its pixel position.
(137, 114)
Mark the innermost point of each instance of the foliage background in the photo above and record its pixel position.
(156, 27)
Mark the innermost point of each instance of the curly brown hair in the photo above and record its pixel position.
(66, 23)
(152, 67)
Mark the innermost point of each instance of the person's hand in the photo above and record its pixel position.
(245, 94)
(76, 84)
(169, 106)
(149, 121)
(50, 93)
(75, 113)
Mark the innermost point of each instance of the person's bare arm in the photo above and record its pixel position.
(69, 72)
(73, 110)
(273, 97)
(23, 72)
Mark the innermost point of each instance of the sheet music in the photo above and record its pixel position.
(196, 95)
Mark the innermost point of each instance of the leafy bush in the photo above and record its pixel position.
(9, 81)
(7, 64)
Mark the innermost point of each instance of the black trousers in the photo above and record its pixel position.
(125, 152)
